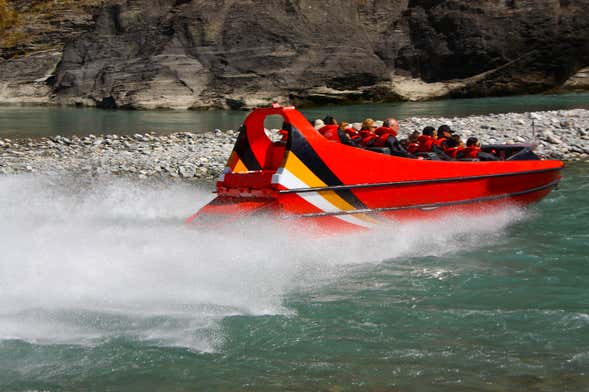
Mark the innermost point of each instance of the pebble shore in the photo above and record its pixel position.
(560, 134)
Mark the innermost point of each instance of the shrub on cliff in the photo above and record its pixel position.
(8, 19)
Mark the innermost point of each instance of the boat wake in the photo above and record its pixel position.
(84, 262)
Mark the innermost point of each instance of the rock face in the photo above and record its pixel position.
(242, 53)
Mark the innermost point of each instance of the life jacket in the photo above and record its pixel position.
(353, 134)
(452, 152)
(385, 131)
(330, 132)
(426, 143)
(383, 134)
(284, 135)
(440, 142)
(413, 147)
(470, 152)
(367, 138)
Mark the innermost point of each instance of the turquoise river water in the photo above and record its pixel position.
(103, 289)
(47, 121)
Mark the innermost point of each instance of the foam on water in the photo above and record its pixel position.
(82, 262)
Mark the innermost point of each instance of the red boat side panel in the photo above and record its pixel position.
(223, 210)
(312, 179)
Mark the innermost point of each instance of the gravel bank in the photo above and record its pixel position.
(560, 134)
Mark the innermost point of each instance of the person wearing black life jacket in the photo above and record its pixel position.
(387, 137)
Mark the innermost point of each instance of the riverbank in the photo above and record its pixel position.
(185, 155)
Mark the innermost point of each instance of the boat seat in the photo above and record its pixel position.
(382, 150)
(430, 156)
(468, 160)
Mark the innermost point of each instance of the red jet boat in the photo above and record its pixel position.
(310, 179)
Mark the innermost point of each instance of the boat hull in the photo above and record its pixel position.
(313, 181)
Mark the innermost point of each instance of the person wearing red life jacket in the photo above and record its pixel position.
(330, 132)
(366, 133)
(453, 146)
(329, 129)
(353, 134)
(410, 143)
(472, 149)
(427, 140)
(387, 137)
(336, 132)
(444, 134)
(347, 134)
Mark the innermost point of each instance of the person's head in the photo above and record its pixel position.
(429, 131)
(318, 124)
(344, 125)
(473, 142)
(391, 123)
(458, 140)
(368, 124)
(445, 131)
(414, 136)
(329, 120)
(450, 143)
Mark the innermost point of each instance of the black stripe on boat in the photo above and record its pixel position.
(426, 207)
(415, 182)
(244, 151)
(303, 150)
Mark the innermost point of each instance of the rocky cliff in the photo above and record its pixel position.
(242, 53)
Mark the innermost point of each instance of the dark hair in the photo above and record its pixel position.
(471, 141)
(451, 143)
(428, 131)
(329, 120)
(444, 128)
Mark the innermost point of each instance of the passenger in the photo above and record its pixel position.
(473, 147)
(444, 134)
(283, 132)
(366, 133)
(427, 140)
(458, 140)
(330, 129)
(387, 137)
(347, 135)
(453, 146)
(473, 151)
(410, 142)
(390, 126)
(318, 124)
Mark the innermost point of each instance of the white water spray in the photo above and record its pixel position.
(81, 262)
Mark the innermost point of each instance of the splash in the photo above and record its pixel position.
(85, 261)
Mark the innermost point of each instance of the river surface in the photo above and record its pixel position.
(48, 121)
(103, 289)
